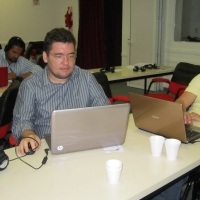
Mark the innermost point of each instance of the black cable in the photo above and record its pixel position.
(17, 158)
(194, 142)
(43, 161)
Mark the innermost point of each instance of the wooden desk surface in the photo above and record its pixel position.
(2, 89)
(82, 175)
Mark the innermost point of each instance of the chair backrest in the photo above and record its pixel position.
(41, 62)
(103, 81)
(185, 72)
(7, 103)
(38, 46)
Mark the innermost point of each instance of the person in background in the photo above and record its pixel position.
(190, 100)
(17, 65)
(61, 85)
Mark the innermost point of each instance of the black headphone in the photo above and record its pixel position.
(4, 160)
(150, 66)
(136, 69)
(108, 69)
(15, 41)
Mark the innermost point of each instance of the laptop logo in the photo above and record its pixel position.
(155, 117)
(60, 148)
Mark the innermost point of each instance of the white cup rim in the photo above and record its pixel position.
(114, 163)
(157, 138)
(172, 141)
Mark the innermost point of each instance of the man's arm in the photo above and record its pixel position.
(27, 67)
(186, 99)
(11, 75)
(23, 119)
(97, 94)
(26, 75)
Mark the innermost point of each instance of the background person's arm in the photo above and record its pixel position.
(11, 75)
(26, 75)
(30, 67)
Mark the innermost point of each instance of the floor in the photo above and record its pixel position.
(122, 89)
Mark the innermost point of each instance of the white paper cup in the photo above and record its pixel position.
(156, 142)
(113, 168)
(172, 148)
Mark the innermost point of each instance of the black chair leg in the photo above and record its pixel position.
(196, 189)
(187, 189)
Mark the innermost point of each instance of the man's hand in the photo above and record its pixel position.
(26, 139)
(11, 76)
(188, 117)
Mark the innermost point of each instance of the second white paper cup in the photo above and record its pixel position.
(172, 148)
(114, 168)
(156, 142)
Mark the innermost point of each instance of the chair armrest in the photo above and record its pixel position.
(111, 100)
(180, 92)
(121, 98)
(157, 80)
(163, 80)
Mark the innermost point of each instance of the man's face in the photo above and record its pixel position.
(13, 54)
(61, 61)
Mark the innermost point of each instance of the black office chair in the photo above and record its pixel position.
(38, 46)
(41, 62)
(7, 103)
(183, 74)
(103, 81)
(193, 180)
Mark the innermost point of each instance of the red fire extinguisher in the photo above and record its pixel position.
(68, 18)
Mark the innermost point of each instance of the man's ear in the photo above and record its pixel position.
(45, 57)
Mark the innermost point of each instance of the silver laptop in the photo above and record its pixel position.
(88, 128)
(162, 117)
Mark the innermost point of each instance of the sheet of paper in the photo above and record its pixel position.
(112, 149)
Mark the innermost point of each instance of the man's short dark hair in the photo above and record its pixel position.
(58, 35)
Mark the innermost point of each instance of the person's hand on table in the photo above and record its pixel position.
(26, 139)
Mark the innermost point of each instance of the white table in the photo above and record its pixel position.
(125, 73)
(82, 175)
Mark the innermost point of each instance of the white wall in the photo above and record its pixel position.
(31, 22)
(143, 31)
(126, 32)
(143, 35)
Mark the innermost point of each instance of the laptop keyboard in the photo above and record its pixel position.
(191, 133)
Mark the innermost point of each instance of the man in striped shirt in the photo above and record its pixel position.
(61, 85)
(17, 65)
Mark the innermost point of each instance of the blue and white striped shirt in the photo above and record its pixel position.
(20, 67)
(38, 98)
